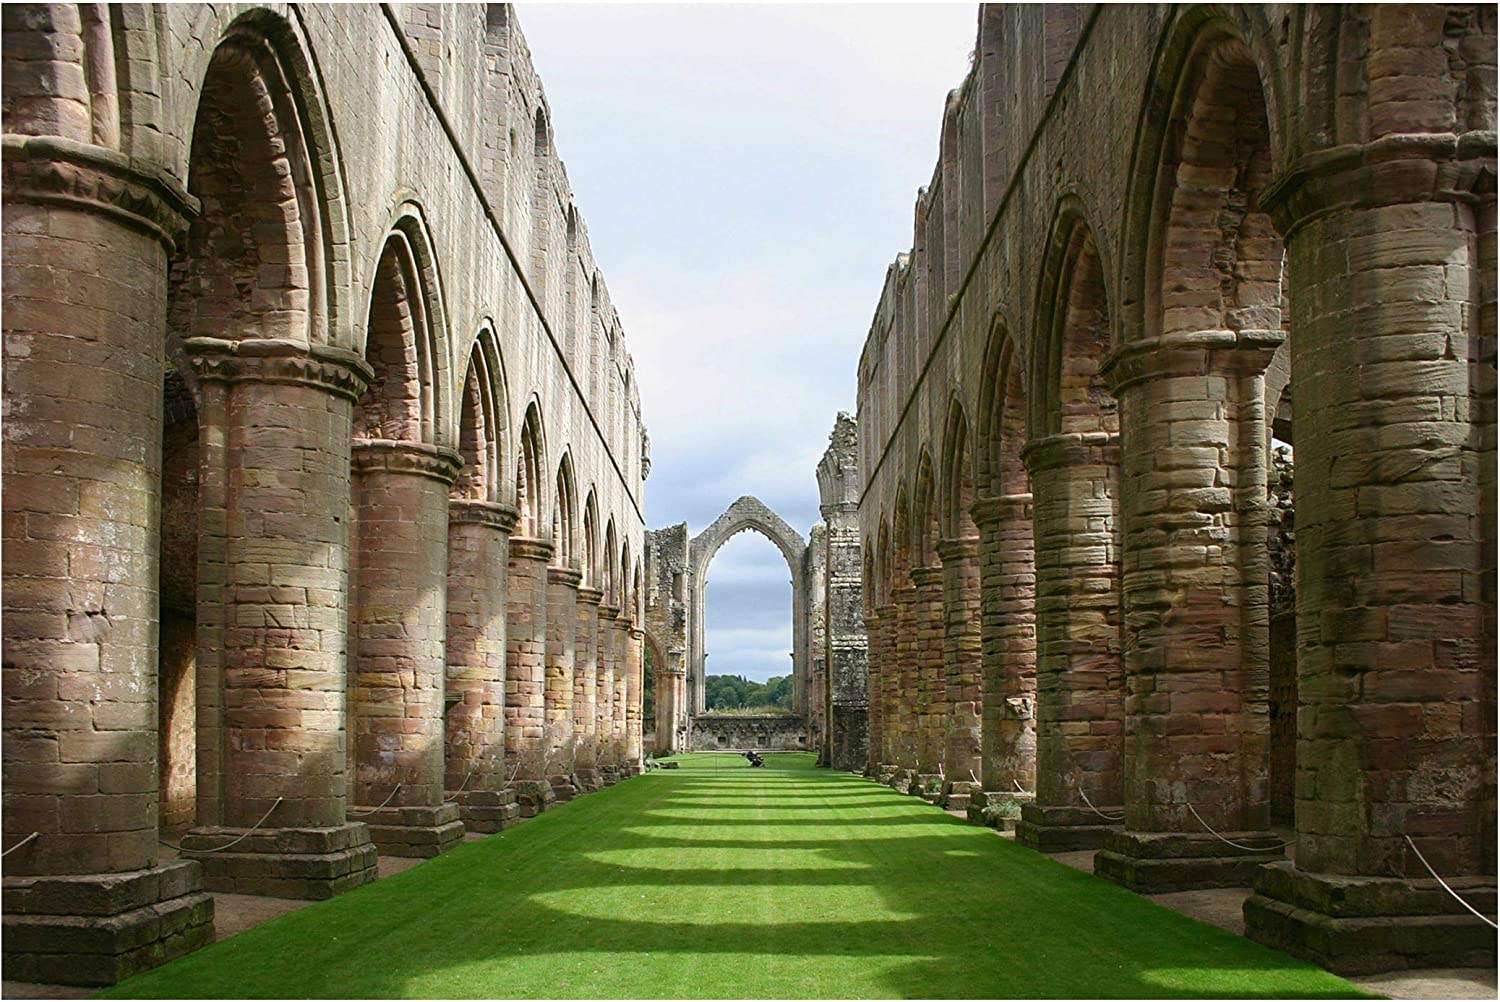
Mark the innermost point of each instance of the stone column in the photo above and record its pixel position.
(875, 655)
(478, 554)
(1007, 591)
(905, 677)
(604, 698)
(526, 674)
(890, 691)
(1194, 593)
(619, 660)
(273, 574)
(1391, 252)
(562, 631)
(586, 689)
(399, 631)
(671, 697)
(635, 672)
(963, 670)
(1080, 709)
(86, 238)
(932, 680)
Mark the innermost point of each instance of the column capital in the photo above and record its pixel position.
(51, 170)
(474, 512)
(990, 510)
(279, 360)
(1194, 353)
(1065, 449)
(608, 611)
(590, 596)
(636, 633)
(925, 577)
(957, 550)
(887, 611)
(530, 548)
(566, 576)
(1391, 170)
(379, 455)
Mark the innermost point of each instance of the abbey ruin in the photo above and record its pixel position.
(1164, 528)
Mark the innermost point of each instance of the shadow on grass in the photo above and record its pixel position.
(627, 894)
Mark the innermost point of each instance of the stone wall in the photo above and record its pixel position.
(1148, 230)
(730, 732)
(302, 332)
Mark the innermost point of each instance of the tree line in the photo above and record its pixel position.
(735, 692)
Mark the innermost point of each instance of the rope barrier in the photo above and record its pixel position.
(1450, 890)
(221, 848)
(1017, 784)
(1106, 817)
(18, 845)
(459, 792)
(365, 814)
(1248, 848)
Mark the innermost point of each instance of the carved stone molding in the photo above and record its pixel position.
(593, 596)
(474, 512)
(277, 360)
(51, 170)
(414, 458)
(1391, 170)
(1066, 450)
(951, 551)
(1196, 353)
(530, 548)
(608, 611)
(989, 510)
(564, 576)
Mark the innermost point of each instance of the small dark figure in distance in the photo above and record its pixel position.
(756, 762)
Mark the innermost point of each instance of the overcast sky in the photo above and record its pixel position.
(746, 172)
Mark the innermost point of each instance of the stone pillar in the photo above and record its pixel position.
(478, 554)
(1391, 252)
(1195, 586)
(963, 670)
(905, 677)
(86, 239)
(619, 660)
(586, 689)
(562, 632)
(1007, 591)
(399, 631)
(604, 698)
(890, 712)
(671, 697)
(273, 579)
(932, 681)
(526, 674)
(875, 655)
(635, 673)
(1080, 710)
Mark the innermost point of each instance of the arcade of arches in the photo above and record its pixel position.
(324, 467)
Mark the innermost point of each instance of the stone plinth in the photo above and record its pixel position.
(308, 863)
(99, 929)
(488, 811)
(422, 831)
(1066, 829)
(1157, 862)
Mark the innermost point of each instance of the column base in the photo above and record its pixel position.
(1364, 925)
(485, 812)
(997, 809)
(420, 832)
(609, 775)
(884, 773)
(957, 794)
(98, 929)
(902, 779)
(1064, 829)
(1157, 862)
(303, 863)
(587, 780)
(928, 786)
(534, 796)
(563, 788)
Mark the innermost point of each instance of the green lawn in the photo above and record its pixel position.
(720, 881)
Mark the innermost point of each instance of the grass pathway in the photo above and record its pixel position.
(718, 881)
